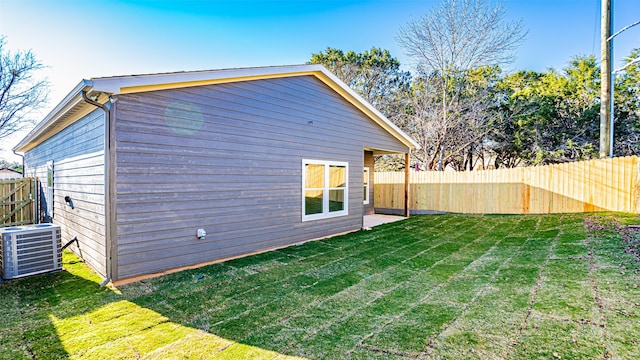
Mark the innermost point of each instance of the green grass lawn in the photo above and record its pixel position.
(444, 286)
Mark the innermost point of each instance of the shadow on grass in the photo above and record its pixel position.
(30, 304)
(67, 315)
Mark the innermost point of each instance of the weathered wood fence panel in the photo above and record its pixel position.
(17, 201)
(595, 185)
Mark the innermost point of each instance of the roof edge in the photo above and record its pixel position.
(67, 102)
(137, 83)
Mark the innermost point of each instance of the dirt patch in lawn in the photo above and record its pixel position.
(631, 240)
(629, 236)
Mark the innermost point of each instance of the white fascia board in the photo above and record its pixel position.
(73, 98)
(114, 85)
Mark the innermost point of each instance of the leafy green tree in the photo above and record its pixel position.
(512, 139)
(374, 74)
(627, 109)
(552, 117)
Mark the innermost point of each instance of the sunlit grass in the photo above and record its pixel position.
(124, 330)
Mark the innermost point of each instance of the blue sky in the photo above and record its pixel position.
(79, 39)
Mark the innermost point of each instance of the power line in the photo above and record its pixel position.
(623, 29)
(634, 61)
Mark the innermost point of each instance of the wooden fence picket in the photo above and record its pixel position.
(17, 201)
(585, 186)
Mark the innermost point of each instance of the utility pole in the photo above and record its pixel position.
(606, 83)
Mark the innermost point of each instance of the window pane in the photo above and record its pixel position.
(365, 193)
(366, 176)
(315, 176)
(50, 174)
(313, 202)
(336, 200)
(337, 176)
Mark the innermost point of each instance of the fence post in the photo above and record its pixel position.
(526, 192)
(407, 167)
(636, 185)
(36, 202)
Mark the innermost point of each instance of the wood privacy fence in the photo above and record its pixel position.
(596, 185)
(17, 205)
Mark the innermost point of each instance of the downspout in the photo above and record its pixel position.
(21, 156)
(107, 187)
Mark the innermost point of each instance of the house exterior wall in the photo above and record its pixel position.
(369, 162)
(77, 153)
(228, 158)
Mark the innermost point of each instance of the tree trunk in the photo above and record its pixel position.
(441, 157)
(444, 124)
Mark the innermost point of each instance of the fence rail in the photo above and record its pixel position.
(595, 185)
(17, 205)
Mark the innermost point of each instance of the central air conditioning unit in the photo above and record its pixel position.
(30, 250)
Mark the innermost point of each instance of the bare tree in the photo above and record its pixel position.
(471, 117)
(455, 37)
(20, 92)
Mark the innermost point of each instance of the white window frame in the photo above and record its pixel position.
(366, 175)
(326, 190)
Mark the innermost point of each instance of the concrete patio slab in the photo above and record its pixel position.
(370, 221)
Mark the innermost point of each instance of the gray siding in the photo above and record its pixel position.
(228, 158)
(77, 153)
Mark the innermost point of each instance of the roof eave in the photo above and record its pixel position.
(136, 83)
(72, 99)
